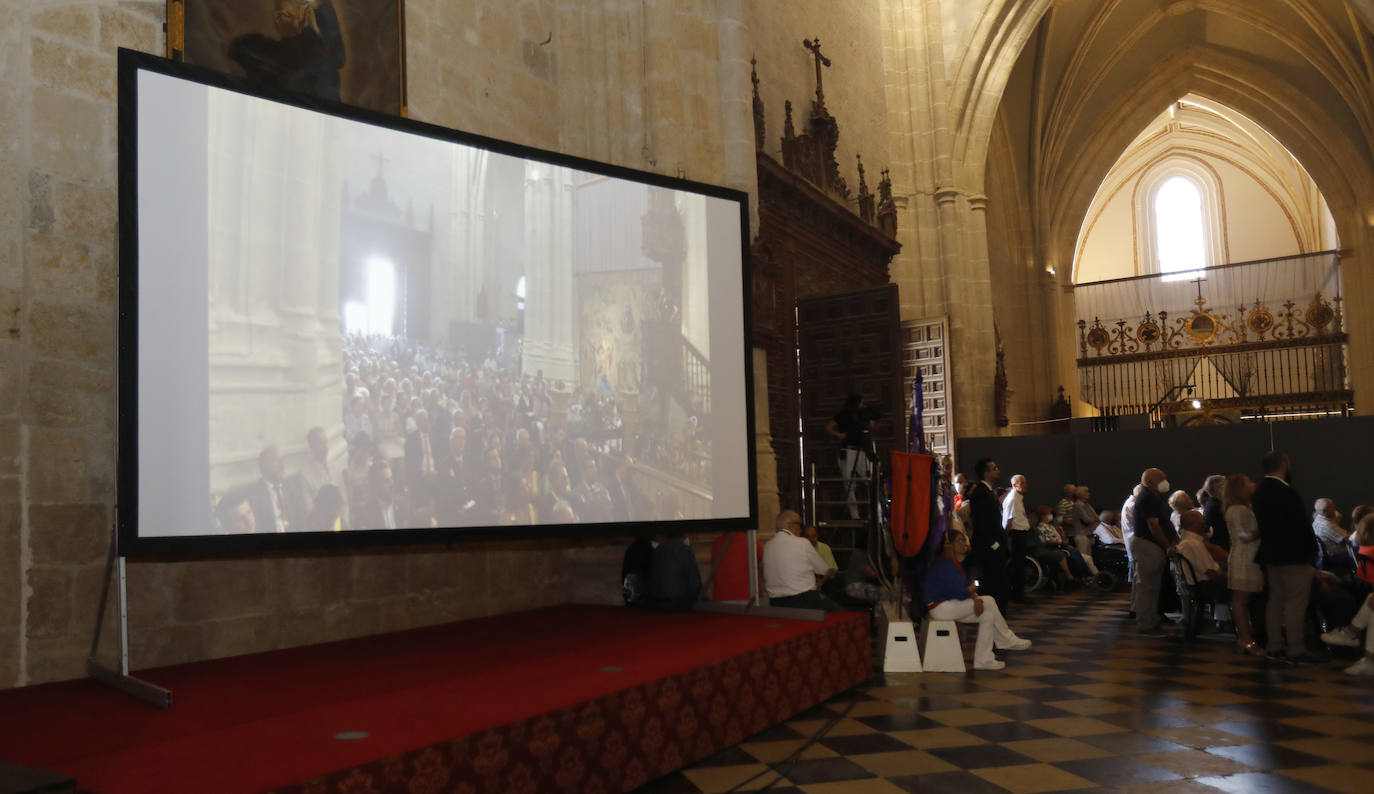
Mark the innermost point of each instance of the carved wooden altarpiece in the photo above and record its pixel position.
(813, 241)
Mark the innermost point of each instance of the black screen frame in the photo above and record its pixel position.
(131, 544)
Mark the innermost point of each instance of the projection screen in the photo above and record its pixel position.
(341, 328)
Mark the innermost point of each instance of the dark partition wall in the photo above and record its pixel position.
(1326, 453)
(1047, 461)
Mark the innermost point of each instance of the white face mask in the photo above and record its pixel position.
(1163, 486)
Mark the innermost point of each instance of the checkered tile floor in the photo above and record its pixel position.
(1092, 707)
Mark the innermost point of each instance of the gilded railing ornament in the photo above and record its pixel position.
(1203, 328)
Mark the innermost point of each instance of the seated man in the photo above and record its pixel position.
(1334, 553)
(861, 581)
(1108, 532)
(792, 569)
(814, 537)
(949, 596)
(1211, 578)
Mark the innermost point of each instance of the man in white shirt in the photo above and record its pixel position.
(1017, 525)
(791, 568)
(1107, 530)
(1192, 546)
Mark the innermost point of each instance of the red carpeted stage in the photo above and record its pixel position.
(573, 698)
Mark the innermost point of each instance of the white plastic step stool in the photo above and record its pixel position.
(901, 655)
(941, 648)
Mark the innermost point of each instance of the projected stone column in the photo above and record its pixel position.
(275, 357)
(550, 344)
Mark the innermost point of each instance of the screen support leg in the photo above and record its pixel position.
(120, 678)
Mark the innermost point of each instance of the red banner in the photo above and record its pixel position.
(911, 475)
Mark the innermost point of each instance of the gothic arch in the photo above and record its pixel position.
(1339, 168)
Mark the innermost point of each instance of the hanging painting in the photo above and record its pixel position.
(350, 51)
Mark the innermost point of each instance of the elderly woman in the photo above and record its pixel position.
(949, 596)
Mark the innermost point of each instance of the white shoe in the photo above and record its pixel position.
(1364, 666)
(1343, 637)
(995, 664)
(1018, 644)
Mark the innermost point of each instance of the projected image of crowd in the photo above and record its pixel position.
(436, 440)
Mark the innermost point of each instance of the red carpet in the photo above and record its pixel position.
(466, 701)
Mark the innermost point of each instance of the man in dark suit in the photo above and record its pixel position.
(989, 551)
(1288, 552)
(422, 455)
(381, 509)
(276, 507)
(452, 499)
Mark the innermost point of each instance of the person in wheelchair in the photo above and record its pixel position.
(1109, 549)
(1053, 551)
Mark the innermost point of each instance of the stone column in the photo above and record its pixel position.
(550, 343)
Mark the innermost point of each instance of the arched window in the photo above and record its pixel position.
(1180, 227)
(1180, 243)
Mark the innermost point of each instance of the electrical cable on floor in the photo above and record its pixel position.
(783, 766)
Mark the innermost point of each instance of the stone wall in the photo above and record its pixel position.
(658, 86)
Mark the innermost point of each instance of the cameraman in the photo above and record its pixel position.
(852, 427)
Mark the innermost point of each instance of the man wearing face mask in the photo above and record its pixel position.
(1152, 544)
(1288, 552)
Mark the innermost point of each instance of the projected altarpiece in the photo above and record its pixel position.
(359, 286)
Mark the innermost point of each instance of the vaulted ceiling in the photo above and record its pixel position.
(1097, 73)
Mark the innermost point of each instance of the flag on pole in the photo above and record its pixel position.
(916, 430)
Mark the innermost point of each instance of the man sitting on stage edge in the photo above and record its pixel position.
(792, 569)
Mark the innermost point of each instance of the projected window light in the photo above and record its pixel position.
(1180, 239)
(376, 314)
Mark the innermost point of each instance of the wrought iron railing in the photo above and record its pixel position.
(1266, 359)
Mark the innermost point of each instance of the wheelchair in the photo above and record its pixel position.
(1044, 575)
(1113, 565)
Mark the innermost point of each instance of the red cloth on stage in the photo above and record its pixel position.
(911, 476)
(732, 576)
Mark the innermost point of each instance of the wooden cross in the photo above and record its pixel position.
(814, 45)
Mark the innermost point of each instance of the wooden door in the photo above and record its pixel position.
(847, 343)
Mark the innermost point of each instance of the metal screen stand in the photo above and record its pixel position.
(120, 678)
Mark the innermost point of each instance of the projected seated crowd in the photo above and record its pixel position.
(435, 440)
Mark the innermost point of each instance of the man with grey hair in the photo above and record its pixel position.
(792, 569)
(1017, 524)
(1080, 525)
(1333, 543)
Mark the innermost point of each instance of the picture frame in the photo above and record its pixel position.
(350, 51)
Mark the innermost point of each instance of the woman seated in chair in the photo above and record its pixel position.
(1051, 549)
(949, 596)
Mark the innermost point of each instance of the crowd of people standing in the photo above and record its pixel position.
(1243, 542)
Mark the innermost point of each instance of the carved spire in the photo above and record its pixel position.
(887, 208)
(865, 197)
